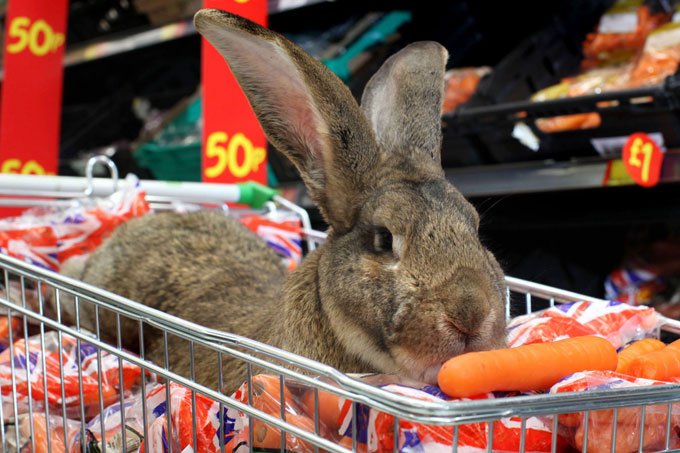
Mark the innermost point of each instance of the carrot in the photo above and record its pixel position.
(635, 350)
(660, 365)
(268, 437)
(330, 406)
(530, 367)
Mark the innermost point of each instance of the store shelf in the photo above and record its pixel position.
(527, 177)
(132, 41)
(532, 177)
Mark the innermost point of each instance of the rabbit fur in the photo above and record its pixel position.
(402, 282)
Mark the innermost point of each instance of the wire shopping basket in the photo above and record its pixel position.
(90, 389)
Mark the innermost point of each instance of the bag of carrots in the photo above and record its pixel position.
(617, 322)
(659, 58)
(375, 429)
(49, 434)
(29, 372)
(601, 422)
(460, 84)
(48, 236)
(621, 33)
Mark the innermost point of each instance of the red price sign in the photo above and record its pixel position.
(643, 158)
(234, 145)
(30, 111)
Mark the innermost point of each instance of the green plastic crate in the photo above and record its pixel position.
(168, 159)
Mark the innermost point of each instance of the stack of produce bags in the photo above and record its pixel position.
(596, 325)
(631, 48)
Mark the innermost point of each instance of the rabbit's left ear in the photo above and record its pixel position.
(403, 100)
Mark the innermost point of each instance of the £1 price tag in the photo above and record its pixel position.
(642, 158)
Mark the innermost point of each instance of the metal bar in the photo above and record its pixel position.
(282, 409)
(44, 368)
(395, 436)
(99, 380)
(220, 386)
(615, 426)
(73, 186)
(643, 412)
(251, 427)
(523, 434)
(15, 402)
(194, 433)
(553, 440)
(142, 370)
(528, 302)
(22, 284)
(121, 395)
(669, 414)
(168, 408)
(585, 432)
(489, 440)
(455, 439)
(316, 416)
(79, 362)
(507, 302)
(355, 421)
(60, 345)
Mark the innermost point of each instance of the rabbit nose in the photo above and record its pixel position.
(467, 306)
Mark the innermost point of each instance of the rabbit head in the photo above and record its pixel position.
(403, 279)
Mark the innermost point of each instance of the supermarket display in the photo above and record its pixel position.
(128, 329)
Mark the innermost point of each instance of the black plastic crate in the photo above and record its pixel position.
(488, 129)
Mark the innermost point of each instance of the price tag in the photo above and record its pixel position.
(30, 110)
(234, 145)
(642, 158)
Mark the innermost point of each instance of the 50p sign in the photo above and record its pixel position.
(30, 111)
(234, 145)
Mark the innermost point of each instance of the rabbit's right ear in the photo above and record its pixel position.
(304, 109)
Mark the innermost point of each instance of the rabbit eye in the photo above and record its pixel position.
(382, 240)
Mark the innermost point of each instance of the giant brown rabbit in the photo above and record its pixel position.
(402, 283)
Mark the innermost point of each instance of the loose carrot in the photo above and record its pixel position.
(530, 367)
(635, 350)
(661, 365)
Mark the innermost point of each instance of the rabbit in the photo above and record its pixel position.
(402, 283)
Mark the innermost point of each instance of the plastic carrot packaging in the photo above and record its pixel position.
(601, 422)
(376, 430)
(617, 322)
(61, 366)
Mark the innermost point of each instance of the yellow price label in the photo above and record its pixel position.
(16, 166)
(38, 37)
(235, 154)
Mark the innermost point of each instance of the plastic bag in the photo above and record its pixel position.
(48, 236)
(460, 85)
(281, 232)
(58, 439)
(601, 422)
(375, 429)
(29, 372)
(594, 81)
(617, 322)
(659, 58)
(621, 33)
